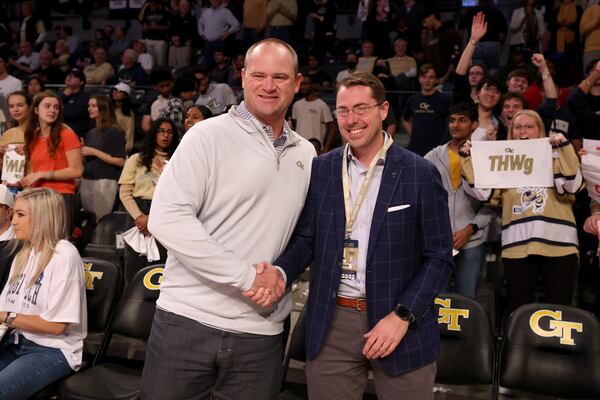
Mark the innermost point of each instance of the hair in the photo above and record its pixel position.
(532, 114)
(465, 109)
(149, 143)
(512, 95)
(47, 224)
(184, 84)
(40, 81)
(400, 40)
(273, 42)
(489, 81)
(160, 74)
(519, 72)
(106, 112)
(126, 107)
(425, 68)
(368, 80)
(33, 124)
(131, 54)
(433, 12)
(205, 111)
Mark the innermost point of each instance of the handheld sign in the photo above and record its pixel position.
(504, 164)
(590, 167)
(13, 165)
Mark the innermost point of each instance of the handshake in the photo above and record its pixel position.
(268, 286)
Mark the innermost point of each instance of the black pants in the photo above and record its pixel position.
(558, 279)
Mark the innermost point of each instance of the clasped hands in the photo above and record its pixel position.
(268, 286)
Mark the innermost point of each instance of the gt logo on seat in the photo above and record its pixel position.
(558, 327)
(91, 275)
(153, 278)
(450, 316)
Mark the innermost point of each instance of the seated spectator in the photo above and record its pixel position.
(101, 39)
(99, 72)
(7, 232)
(538, 241)
(590, 33)
(235, 73)
(145, 59)
(312, 117)
(194, 114)
(48, 72)
(220, 70)
(8, 83)
(119, 44)
(400, 63)
(130, 70)
(27, 61)
(65, 32)
(425, 113)
(216, 96)
(62, 55)
(75, 102)
(319, 77)
(119, 95)
(367, 60)
(183, 32)
(46, 343)
(53, 152)
(35, 85)
(104, 153)
(281, 15)
(351, 63)
(138, 181)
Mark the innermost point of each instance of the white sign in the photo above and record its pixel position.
(504, 164)
(590, 167)
(13, 165)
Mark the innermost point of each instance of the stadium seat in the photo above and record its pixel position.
(551, 350)
(103, 244)
(467, 342)
(133, 319)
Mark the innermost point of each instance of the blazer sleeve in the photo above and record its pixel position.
(436, 245)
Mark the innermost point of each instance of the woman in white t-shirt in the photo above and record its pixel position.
(44, 300)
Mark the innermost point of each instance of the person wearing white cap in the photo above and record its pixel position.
(120, 97)
(7, 201)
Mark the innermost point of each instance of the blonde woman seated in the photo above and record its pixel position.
(539, 235)
(44, 300)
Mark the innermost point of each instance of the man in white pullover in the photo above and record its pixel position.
(229, 197)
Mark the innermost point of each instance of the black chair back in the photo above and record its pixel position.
(103, 284)
(551, 350)
(135, 312)
(467, 343)
(108, 226)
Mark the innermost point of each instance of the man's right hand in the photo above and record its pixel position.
(268, 286)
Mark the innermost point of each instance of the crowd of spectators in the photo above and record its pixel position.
(120, 104)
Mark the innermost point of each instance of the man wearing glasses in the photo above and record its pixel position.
(376, 228)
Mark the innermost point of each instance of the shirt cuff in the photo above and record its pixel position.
(282, 274)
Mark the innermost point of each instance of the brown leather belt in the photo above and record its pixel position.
(357, 304)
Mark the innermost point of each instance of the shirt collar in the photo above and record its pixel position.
(243, 112)
(380, 162)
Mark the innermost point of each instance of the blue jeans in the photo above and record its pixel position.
(467, 270)
(26, 368)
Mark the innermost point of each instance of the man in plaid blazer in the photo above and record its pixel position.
(373, 285)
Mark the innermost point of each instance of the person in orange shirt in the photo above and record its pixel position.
(53, 152)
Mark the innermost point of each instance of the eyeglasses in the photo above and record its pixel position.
(169, 132)
(527, 126)
(360, 109)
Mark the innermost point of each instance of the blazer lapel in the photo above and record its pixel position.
(388, 187)
(338, 200)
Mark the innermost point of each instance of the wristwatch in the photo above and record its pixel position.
(404, 313)
(9, 319)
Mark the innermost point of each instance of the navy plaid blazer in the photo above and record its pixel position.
(409, 256)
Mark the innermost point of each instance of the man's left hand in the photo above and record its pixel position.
(461, 237)
(383, 339)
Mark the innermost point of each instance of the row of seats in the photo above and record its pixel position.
(547, 349)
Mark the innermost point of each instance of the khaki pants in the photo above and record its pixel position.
(158, 50)
(341, 372)
(179, 57)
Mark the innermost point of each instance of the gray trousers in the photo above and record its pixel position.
(191, 361)
(341, 372)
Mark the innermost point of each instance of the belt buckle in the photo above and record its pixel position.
(358, 302)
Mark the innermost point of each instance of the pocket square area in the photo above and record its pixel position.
(398, 208)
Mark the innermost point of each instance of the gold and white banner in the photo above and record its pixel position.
(590, 167)
(504, 164)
